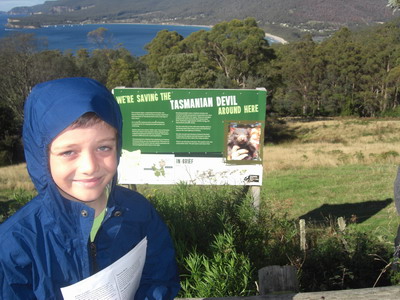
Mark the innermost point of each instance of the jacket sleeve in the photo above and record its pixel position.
(160, 280)
(21, 265)
(15, 277)
(15, 291)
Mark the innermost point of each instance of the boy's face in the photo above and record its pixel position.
(83, 161)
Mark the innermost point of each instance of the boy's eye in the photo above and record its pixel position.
(66, 153)
(105, 148)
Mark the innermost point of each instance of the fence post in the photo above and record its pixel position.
(341, 223)
(255, 194)
(303, 244)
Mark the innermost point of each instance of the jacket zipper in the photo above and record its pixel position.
(93, 258)
(94, 267)
(93, 251)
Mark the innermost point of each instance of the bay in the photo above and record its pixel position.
(133, 37)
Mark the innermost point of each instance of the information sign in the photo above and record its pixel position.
(197, 136)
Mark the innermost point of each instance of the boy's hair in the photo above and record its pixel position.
(86, 120)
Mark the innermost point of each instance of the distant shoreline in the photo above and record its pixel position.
(135, 23)
(268, 35)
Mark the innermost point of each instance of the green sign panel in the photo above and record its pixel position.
(186, 120)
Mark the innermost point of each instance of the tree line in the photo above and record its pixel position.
(352, 73)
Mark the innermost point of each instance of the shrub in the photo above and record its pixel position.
(193, 213)
(344, 260)
(225, 273)
(19, 199)
(394, 113)
(389, 154)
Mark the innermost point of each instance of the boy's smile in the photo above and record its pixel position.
(83, 161)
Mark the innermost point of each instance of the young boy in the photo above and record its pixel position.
(81, 221)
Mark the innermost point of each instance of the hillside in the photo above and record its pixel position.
(298, 15)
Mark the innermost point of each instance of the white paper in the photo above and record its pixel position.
(118, 281)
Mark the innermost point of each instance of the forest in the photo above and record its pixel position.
(352, 73)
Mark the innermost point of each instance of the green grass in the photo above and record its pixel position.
(363, 194)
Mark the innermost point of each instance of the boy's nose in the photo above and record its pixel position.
(88, 163)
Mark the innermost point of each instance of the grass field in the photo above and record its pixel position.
(13, 178)
(328, 169)
(335, 142)
(362, 194)
(336, 168)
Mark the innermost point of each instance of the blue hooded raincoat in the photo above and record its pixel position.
(45, 245)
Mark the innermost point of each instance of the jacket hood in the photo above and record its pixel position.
(50, 108)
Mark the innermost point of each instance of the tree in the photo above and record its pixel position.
(101, 38)
(16, 80)
(198, 76)
(98, 65)
(82, 58)
(10, 137)
(165, 43)
(300, 70)
(52, 64)
(16, 60)
(122, 73)
(394, 4)
(339, 85)
(173, 66)
(237, 48)
(184, 70)
(393, 84)
(231, 54)
(381, 54)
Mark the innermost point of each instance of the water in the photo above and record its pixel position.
(73, 37)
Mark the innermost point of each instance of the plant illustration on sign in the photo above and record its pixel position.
(160, 169)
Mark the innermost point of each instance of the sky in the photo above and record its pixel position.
(6, 5)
